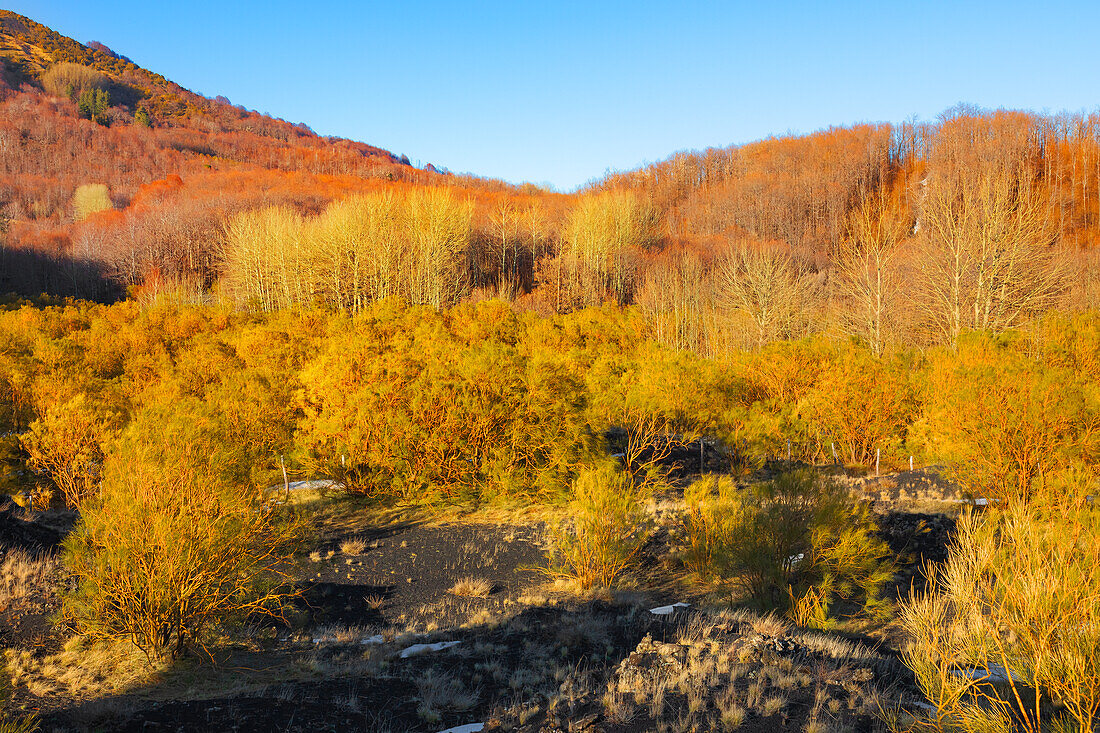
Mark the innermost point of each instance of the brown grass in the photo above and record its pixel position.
(21, 573)
(439, 692)
(83, 669)
(770, 625)
(472, 588)
(353, 547)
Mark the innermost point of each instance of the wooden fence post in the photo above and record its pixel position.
(286, 481)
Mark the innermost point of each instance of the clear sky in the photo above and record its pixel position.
(561, 92)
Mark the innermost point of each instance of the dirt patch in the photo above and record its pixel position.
(33, 531)
(403, 577)
(920, 485)
(483, 677)
(381, 641)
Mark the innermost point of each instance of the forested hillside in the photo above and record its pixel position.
(114, 179)
(84, 130)
(266, 396)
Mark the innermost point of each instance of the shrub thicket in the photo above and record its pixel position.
(1008, 635)
(419, 405)
(1010, 426)
(799, 537)
(606, 530)
(169, 550)
(481, 401)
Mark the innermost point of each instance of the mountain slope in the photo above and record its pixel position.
(79, 116)
(28, 49)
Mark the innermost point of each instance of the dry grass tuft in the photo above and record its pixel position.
(439, 692)
(341, 634)
(83, 669)
(730, 714)
(835, 647)
(353, 547)
(481, 617)
(21, 573)
(472, 588)
(770, 625)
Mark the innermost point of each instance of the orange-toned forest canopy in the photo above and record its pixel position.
(843, 216)
(153, 129)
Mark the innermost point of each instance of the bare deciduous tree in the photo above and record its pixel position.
(602, 237)
(986, 259)
(868, 276)
(765, 285)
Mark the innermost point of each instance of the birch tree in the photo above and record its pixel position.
(868, 280)
(986, 259)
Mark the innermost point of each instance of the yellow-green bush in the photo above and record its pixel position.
(169, 549)
(606, 530)
(89, 199)
(862, 404)
(1010, 426)
(65, 446)
(655, 399)
(69, 80)
(776, 542)
(1007, 636)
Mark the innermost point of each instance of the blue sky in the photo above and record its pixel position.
(560, 93)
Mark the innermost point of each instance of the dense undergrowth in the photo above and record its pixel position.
(482, 403)
(164, 425)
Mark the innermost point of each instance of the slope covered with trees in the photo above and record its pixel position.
(896, 235)
(75, 115)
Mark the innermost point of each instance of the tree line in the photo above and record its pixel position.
(480, 401)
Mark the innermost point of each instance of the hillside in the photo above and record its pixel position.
(150, 129)
(114, 179)
(29, 49)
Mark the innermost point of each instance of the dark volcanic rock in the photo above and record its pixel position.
(19, 533)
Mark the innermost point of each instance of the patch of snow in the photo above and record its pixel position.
(468, 728)
(274, 491)
(439, 646)
(304, 485)
(667, 610)
(974, 502)
(795, 559)
(995, 673)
